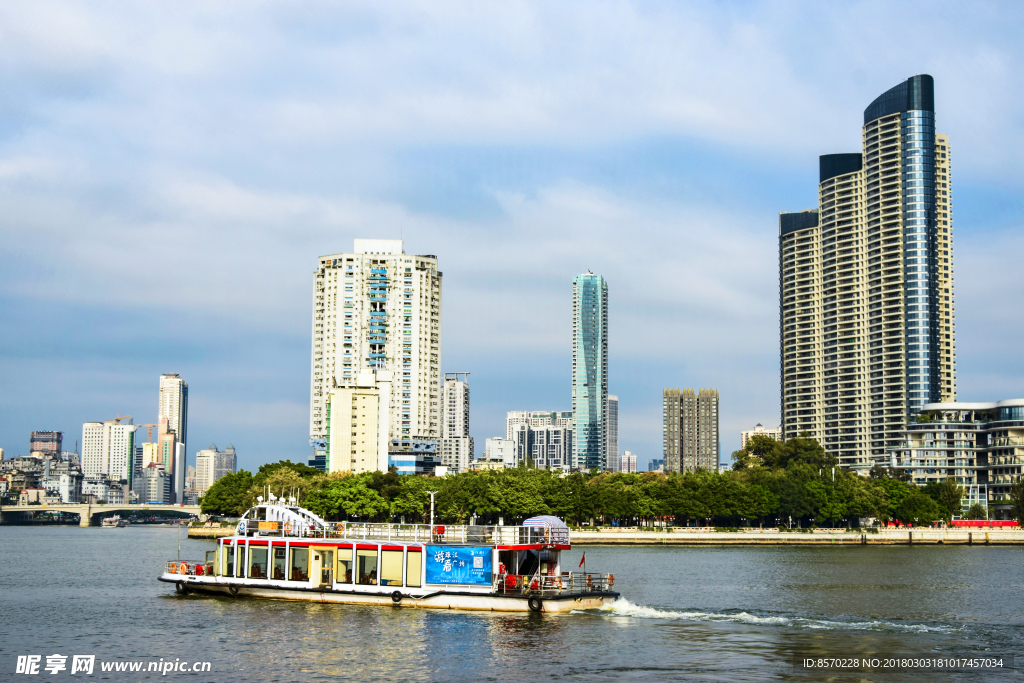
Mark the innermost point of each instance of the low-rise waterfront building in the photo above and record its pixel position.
(980, 445)
(497, 449)
(153, 485)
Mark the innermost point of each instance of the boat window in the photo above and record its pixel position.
(279, 562)
(229, 560)
(300, 564)
(241, 561)
(366, 567)
(391, 568)
(257, 563)
(344, 574)
(413, 565)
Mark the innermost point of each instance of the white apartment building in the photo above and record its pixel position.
(628, 462)
(173, 406)
(456, 443)
(759, 430)
(497, 449)
(358, 423)
(108, 448)
(612, 411)
(212, 464)
(379, 308)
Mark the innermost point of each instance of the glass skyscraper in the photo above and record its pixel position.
(867, 331)
(590, 371)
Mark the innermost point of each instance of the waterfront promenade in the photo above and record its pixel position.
(708, 536)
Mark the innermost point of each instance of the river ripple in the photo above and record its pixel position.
(688, 613)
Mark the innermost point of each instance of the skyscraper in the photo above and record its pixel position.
(613, 433)
(174, 409)
(456, 443)
(690, 434)
(378, 308)
(867, 331)
(590, 371)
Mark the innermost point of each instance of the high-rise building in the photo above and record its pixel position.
(456, 444)
(590, 371)
(759, 430)
(108, 449)
(541, 438)
(357, 423)
(379, 308)
(613, 433)
(173, 407)
(656, 465)
(211, 465)
(867, 330)
(47, 444)
(690, 429)
(628, 460)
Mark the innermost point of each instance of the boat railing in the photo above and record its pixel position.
(543, 584)
(189, 568)
(424, 533)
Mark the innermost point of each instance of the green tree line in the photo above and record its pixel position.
(793, 483)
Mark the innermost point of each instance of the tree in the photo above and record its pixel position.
(761, 449)
(950, 493)
(917, 509)
(977, 511)
(228, 495)
(1017, 499)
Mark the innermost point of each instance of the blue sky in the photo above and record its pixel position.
(169, 174)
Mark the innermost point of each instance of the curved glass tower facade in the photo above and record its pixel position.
(867, 328)
(590, 371)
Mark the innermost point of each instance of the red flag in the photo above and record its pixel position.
(583, 559)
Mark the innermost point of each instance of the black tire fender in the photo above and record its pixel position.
(535, 604)
(181, 588)
(396, 597)
(233, 590)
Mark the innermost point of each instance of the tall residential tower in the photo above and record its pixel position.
(456, 443)
(378, 309)
(590, 371)
(172, 415)
(690, 429)
(867, 331)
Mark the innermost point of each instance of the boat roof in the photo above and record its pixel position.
(546, 522)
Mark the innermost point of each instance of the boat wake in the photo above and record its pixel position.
(624, 608)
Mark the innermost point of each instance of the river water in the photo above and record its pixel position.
(706, 613)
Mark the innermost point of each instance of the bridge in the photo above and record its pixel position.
(90, 513)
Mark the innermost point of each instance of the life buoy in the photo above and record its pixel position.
(183, 568)
(396, 597)
(611, 580)
(287, 527)
(535, 604)
(590, 581)
(558, 582)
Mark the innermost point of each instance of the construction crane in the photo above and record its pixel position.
(119, 417)
(149, 439)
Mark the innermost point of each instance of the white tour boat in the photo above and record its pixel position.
(280, 550)
(114, 521)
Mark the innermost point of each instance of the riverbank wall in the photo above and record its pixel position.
(901, 536)
(210, 531)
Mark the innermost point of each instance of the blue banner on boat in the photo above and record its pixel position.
(447, 564)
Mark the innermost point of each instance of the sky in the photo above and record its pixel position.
(170, 172)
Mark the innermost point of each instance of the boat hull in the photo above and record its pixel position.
(423, 599)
